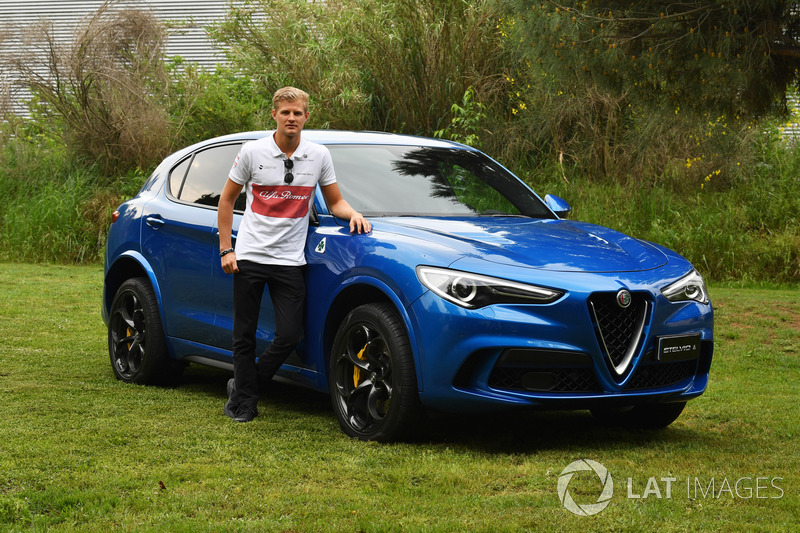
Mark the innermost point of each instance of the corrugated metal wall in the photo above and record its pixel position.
(187, 19)
(189, 40)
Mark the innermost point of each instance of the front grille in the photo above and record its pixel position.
(618, 329)
(544, 371)
(551, 371)
(545, 380)
(662, 374)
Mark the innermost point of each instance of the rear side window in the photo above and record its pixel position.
(177, 175)
(199, 179)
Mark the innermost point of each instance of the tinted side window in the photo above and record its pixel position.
(176, 177)
(426, 181)
(206, 176)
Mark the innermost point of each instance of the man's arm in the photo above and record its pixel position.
(225, 224)
(340, 208)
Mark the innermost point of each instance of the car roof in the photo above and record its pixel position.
(325, 137)
(375, 137)
(347, 137)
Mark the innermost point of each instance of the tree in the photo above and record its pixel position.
(105, 87)
(638, 88)
(736, 57)
(371, 64)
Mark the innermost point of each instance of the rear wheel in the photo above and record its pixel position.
(136, 342)
(646, 416)
(373, 384)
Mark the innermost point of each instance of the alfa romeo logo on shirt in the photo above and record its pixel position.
(281, 201)
(586, 509)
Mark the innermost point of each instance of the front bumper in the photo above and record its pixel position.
(550, 356)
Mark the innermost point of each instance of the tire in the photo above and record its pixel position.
(646, 416)
(373, 384)
(136, 342)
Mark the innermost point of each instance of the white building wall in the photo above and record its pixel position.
(187, 20)
(791, 128)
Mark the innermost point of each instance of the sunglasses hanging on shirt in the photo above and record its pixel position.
(288, 164)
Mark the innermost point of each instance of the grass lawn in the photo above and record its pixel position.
(80, 451)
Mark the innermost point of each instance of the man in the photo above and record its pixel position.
(280, 173)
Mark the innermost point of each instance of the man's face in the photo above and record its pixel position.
(290, 116)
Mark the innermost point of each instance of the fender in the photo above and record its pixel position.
(391, 296)
(116, 272)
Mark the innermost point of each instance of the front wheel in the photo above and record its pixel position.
(645, 416)
(136, 342)
(373, 384)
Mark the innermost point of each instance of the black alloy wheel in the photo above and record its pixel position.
(373, 383)
(136, 341)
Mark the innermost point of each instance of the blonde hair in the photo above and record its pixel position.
(290, 94)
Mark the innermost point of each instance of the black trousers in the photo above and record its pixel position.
(287, 288)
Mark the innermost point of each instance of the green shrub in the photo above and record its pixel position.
(748, 229)
(205, 104)
(723, 191)
(105, 89)
(54, 208)
(62, 220)
(368, 64)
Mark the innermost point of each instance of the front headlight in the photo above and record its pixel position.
(691, 287)
(473, 291)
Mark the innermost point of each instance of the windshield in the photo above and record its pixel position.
(380, 180)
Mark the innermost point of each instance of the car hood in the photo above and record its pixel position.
(557, 245)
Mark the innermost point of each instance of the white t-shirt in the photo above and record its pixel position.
(275, 223)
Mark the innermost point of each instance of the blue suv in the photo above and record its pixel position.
(471, 292)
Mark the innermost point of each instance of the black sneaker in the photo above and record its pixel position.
(245, 414)
(230, 407)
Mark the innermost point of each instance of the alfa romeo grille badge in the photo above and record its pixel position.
(624, 299)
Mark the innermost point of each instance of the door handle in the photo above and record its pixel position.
(154, 221)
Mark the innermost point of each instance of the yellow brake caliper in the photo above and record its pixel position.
(357, 370)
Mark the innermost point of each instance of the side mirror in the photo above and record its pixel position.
(557, 205)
